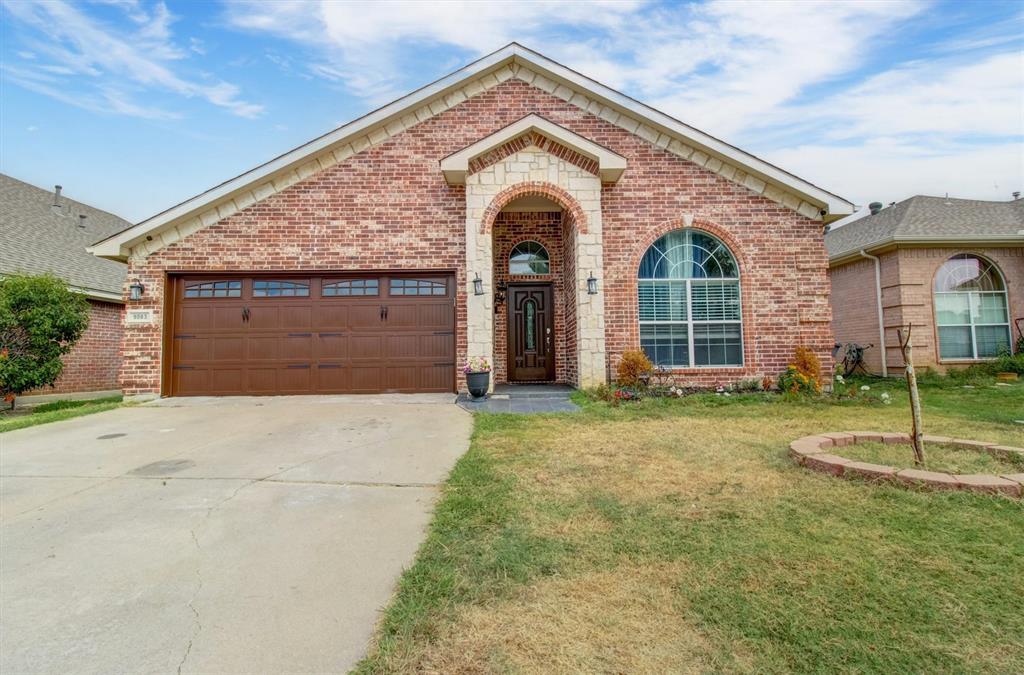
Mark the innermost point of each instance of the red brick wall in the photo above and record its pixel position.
(545, 228)
(854, 313)
(93, 363)
(389, 207)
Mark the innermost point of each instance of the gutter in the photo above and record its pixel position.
(878, 307)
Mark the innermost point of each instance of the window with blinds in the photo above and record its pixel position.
(689, 302)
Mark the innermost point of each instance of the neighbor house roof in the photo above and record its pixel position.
(37, 237)
(924, 220)
(512, 61)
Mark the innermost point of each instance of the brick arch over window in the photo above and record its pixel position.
(534, 189)
(751, 360)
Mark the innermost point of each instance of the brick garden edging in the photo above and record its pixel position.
(813, 453)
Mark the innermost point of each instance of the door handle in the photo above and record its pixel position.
(385, 312)
(382, 312)
(245, 314)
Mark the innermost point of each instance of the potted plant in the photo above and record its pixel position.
(478, 376)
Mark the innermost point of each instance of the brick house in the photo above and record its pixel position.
(45, 232)
(954, 268)
(514, 210)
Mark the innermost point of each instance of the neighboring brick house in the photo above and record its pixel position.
(954, 268)
(45, 232)
(514, 210)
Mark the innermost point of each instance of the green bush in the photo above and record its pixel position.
(40, 321)
(1009, 364)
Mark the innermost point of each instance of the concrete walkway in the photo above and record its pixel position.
(217, 535)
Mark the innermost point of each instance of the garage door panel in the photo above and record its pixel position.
(191, 348)
(332, 378)
(226, 380)
(436, 346)
(436, 377)
(349, 340)
(366, 347)
(332, 346)
(366, 379)
(227, 348)
(364, 317)
(195, 318)
(332, 316)
(401, 346)
(228, 316)
(437, 317)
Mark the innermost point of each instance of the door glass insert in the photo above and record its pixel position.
(529, 314)
(213, 289)
(277, 289)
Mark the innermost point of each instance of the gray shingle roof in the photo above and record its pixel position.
(36, 238)
(924, 219)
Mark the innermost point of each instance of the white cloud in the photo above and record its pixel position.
(93, 58)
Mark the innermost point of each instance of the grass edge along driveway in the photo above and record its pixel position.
(676, 535)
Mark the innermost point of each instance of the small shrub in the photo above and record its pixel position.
(1009, 364)
(767, 383)
(40, 321)
(809, 365)
(634, 369)
(796, 383)
(746, 386)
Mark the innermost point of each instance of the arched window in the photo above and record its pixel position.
(529, 257)
(971, 309)
(689, 292)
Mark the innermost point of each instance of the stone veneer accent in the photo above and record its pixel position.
(534, 172)
(810, 451)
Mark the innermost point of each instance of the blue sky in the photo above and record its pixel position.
(134, 105)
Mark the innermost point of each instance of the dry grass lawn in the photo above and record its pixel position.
(677, 536)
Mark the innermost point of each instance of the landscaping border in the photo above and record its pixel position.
(813, 453)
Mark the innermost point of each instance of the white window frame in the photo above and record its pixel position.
(973, 299)
(690, 322)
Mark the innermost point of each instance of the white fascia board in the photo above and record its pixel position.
(94, 294)
(610, 165)
(836, 206)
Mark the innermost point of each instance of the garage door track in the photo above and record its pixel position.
(215, 535)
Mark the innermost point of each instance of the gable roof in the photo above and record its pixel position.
(922, 219)
(512, 61)
(38, 238)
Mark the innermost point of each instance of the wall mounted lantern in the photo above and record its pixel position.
(591, 285)
(478, 285)
(136, 290)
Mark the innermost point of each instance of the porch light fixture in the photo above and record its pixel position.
(136, 290)
(478, 285)
(591, 285)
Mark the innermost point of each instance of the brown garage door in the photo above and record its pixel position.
(291, 334)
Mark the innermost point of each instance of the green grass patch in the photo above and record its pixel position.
(56, 412)
(937, 457)
(672, 535)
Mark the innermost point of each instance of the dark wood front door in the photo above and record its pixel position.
(312, 334)
(531, 334)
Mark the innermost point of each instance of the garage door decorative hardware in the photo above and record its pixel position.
(298, 365)
(300, 334)
(383, 313)
(184, 337)
(331, 334)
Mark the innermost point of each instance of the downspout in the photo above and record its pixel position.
(878, 307)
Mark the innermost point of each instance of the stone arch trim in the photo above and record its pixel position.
(533, 189)
(751, 362)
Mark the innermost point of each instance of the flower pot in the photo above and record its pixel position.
(478, 383)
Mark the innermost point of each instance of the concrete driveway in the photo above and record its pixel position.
(215, 535)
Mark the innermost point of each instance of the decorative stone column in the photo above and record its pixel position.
(534, 172)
